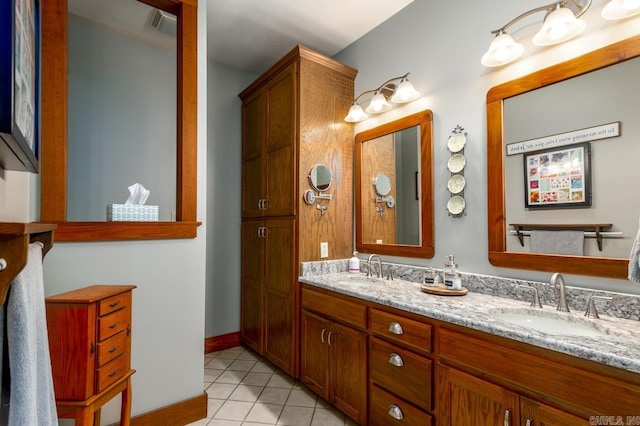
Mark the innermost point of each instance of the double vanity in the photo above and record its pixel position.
(389, 353)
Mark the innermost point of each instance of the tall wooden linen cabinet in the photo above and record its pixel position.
(293, 119)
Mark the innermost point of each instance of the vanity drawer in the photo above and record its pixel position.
(111, 372)
(386, 409)
(114, 303)
(401, 372)
(337, 308)
(113, 323)
(409, 333)
(112, 348)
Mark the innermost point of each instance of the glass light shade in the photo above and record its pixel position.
(621, 9)
(559, 26)
(405, 93)
(378, 104)
(503, 50)
(356, 114)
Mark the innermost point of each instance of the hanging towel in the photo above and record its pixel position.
(32, 400)
(557, 242)
(634, 260)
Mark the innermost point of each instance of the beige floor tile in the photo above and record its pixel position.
(296, 416)
(219, 363)
(256, 379)
(233, 410)
(241, 365)
(249, 355)
(263, 367)
(211, 374)
(322, 417)
(274, 396)
(201, 422)
(264, 413)
(218, 422)
(232, 377)
(302, 398)
(213, 405)
(279, 380)
(220, 390)
(246, 393)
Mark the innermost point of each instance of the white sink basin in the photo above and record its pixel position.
(550, 322)
(360, 280)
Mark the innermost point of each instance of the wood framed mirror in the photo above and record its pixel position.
(54, 153)
(499, 229)
(400, 223)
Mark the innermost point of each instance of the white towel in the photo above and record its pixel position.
(634, 260)
(32, 400)
(558, 242)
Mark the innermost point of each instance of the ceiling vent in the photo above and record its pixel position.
(164, 22)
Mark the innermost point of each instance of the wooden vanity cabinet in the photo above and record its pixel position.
(288, 127)
(400, 369)
(333, 352)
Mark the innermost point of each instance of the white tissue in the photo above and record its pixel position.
(137, 194)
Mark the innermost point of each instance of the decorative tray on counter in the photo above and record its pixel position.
(442, 290)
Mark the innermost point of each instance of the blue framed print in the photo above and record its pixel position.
(19, 84)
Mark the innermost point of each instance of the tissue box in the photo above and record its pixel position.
(132, 213)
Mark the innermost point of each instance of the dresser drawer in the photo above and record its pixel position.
(386, 409)
(109, 373)
(409, 333)
(337, 308)
(114, 303)
(401, 372)
(112, 348)
(113, 323)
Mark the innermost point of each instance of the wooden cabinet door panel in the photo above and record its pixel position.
(386, 408)
(252, 289)
(314, 353)
(534, 413)
(253, 125)
(349, 371)
(253, 187)
(466, 400)
(279, 339)
(280, 275)
(281, 183)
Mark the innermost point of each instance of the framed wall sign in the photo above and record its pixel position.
(558, 177)
(19, 83)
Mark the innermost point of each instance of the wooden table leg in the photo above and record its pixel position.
(96, 417)
(125, 412)
(84, 416)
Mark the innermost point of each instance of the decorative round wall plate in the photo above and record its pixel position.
(456, 184)
(456, 163)
(456, 142)
(456, 204)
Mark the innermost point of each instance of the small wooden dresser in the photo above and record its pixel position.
(90, 345)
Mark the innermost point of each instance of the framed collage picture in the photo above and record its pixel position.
(19, 83)
(558, 177)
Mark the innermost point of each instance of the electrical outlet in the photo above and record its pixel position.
(378, 241)
(324, 250)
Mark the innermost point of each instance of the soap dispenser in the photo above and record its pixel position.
(452, 279)
(354, 264)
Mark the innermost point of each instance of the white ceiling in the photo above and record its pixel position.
(254, 34)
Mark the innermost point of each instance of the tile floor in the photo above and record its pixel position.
(245, 389)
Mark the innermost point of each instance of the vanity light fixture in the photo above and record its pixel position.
(560, 24)
(621, 9)
(401, 93)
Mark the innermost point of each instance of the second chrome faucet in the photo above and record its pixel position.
(557, 280)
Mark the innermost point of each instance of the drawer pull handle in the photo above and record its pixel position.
(113, 349)
(395, 359)
(395, 412)
(329, 337)
(322, 336)
(529, 423)
(395, 328)
(114, 304)
(507, 417)
(116, 371)
(92, 348)
(114, 325)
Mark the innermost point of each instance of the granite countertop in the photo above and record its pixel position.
(617, 346)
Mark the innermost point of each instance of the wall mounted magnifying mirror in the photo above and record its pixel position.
(397, 158)
(561, 100)
(320, 179)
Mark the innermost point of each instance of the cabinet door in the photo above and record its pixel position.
(253, 246)
(534, 413)
(349, 371)
(466, 400)
(280, 143)
(280, 288)
(253, 141)
(314, 353)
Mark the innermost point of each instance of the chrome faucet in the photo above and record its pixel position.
(557, 280)
(372, 257)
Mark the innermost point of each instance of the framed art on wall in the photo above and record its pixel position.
(19, 83)
(558, 177)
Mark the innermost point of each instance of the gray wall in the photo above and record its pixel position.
(441, 43)
(122, 127)
(224, 186)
